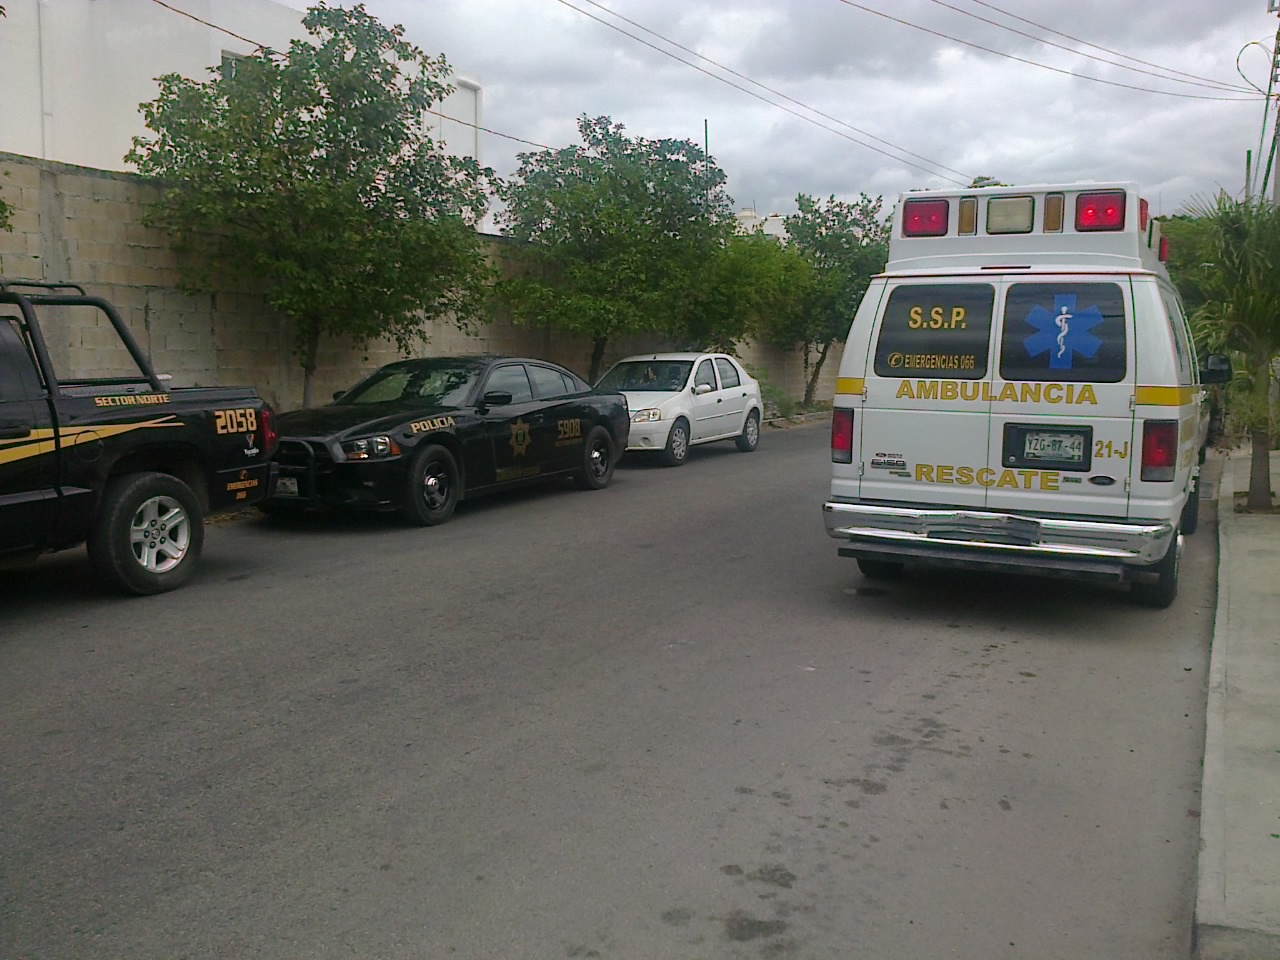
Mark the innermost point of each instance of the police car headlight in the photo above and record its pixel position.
(371, 448)
(646, 415)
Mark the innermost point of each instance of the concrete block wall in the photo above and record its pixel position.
(81, 225)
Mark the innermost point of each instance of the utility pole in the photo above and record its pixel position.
(1273, 6)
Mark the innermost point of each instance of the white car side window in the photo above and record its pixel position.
(706, 374)
(728, 372)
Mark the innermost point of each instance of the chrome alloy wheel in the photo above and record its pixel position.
(160, 534)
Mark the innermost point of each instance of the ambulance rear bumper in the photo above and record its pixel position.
(1003, 539)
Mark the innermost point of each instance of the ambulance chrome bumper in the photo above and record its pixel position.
(1007, 538)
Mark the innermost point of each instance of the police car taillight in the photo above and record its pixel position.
(1159, 449)
(1100, 211)
(841, 436)
(925, 218)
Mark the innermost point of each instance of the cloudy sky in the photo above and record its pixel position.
(838, 97)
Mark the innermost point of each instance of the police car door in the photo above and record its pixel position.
(1061, 421)
(924, 417)
(28, 458)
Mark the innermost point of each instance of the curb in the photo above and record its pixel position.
(1213, 934)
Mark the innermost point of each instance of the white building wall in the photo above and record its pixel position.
(73, 72)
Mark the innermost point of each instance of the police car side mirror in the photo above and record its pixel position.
(1217, 369)
(702, 388)
(496, 398)
(338, 394)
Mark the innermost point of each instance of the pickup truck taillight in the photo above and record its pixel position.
(1159, 449)
(841, 436)
(269, 435)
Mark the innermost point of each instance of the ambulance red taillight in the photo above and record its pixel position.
(1100, 211)
(1159, 449)
(925, 218)
(841, 436)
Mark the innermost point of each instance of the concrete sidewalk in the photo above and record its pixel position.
(1238, 893)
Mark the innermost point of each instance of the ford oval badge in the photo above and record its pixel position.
(1102, 481)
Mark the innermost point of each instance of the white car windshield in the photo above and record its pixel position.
(660, 376)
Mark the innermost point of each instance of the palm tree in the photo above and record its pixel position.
(1242, 298)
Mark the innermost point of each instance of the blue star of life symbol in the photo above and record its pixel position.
(1062, 332)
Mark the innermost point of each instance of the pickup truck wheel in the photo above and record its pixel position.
(1191, 511)
(597, 460)
(1161, 592)
(677, 448)
(149, 533)
(749, 439)
(432, 487)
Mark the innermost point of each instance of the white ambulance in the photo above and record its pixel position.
(1019, 391)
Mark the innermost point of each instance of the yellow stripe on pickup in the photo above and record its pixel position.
(1163, 396)
(856, 386)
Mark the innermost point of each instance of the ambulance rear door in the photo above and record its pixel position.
(1061, 438)
(923, 424)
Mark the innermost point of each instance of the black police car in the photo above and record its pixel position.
(420, 435)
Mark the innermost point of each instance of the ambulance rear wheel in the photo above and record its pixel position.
(1161, 591)
(1191, 511)
(879, 569)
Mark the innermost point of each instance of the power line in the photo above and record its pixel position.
(1035, 63)
(213, 26)
(763, 99)
(1197, 82)
(776, 93)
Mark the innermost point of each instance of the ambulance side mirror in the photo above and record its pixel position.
(1217, 369)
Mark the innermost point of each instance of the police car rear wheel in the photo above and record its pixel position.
(149, 533)
(677, 449)
(879, 569)
(749, 439)
(1161, 591)
(597, 460)
(432, 487)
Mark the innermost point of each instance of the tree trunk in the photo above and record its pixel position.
(812, 385)
(1260, 471)
(310, 349)
(597, 358)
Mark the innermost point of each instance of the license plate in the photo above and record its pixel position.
(286, 486)
(1064, 447)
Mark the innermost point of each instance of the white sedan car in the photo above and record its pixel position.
(678, 400)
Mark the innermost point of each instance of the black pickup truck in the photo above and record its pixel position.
(123, 463)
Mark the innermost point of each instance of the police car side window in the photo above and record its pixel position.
(547, 383)
(936, 330)
(511, 378)
(1065, 332)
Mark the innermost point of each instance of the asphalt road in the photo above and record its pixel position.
(662, 720)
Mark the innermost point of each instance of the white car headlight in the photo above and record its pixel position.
(371, 448)
(646, 415)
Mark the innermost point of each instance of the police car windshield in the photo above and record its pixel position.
(444, 383)
(663, 376)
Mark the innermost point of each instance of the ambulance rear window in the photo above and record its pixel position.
(937, 330)
(1066, 332)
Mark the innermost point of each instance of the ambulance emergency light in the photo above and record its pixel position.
(1100, 211)
(926, 218)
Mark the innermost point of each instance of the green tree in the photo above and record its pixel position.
(311, 173)
(752, 284)
(620, 233)
(845, 244)
(1240, 284)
